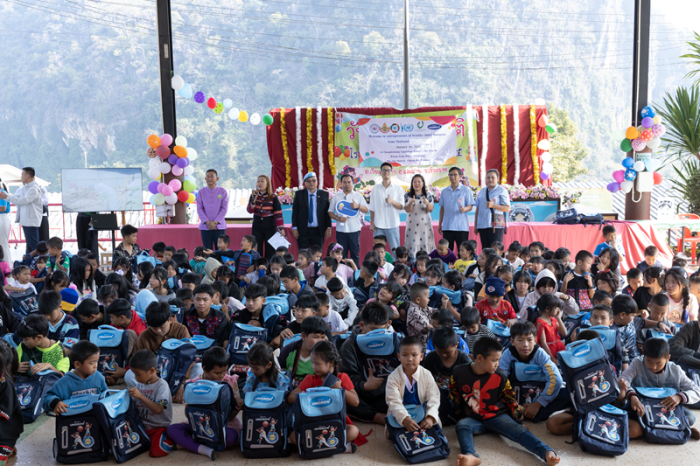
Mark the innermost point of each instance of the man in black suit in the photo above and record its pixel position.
(309, 225)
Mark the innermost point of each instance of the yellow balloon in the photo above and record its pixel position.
(657, 119)
(191, 199)
(243, 116)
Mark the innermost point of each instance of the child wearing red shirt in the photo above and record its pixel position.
(550, 327)
(494, 307)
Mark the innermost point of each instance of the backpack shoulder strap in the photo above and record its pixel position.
(331, 379)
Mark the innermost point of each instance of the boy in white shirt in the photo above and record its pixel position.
(328, 267)
(332, 318)
(19, 282)
(342, 300)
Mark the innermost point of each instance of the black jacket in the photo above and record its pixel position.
(686, 342)
(300, 211)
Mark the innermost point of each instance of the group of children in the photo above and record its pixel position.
(455, 325)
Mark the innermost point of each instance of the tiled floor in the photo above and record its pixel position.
(35, 449)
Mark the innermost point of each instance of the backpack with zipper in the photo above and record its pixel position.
(589, 378)
(694, 375)
(377, 351)
(604, 431)
(528, 381)
(114, 347)
(661, 425)
(174, 359)
(424, 446)
(31, 390)
(122, 425)
(500, 331)
(208, 409)
(612, 341)
(266, 424)
(79, 437)
(595, 219)
(566, 217)
(242, 338)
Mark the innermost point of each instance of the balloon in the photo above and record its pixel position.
(153, 141)
(189, 170)
(186, 91)
(647, 135)
(631, 133)
(647, 122)
(177, 171)
(657, 119)
(187, 162)
(544, 176)
(630, 174)
(160, 187)
(654, 143)
(158, 199)
(540, 101)
(626, 186)
(189, 178)
(647, 112)
(153, 173)
(182, 163)
(547, 168)
(151, 153)
(227, 104)
(619, 135)
(243, 116)
(658, 179)
(658, 130)
(172, 159)
(255, 119)
(267, 119)
(639, 144)
(175, 184)
(191, 199)
(219, 108)
(181, 141)
(171, 200)
(163, 152)
(625, 145)
(153, 163)
(177, 82)
(211, 103)
(188, 186)
(546, 157)
(338, 128)
(652, 164)
(542, 122)
(628, 162)
(551, 129)
(167, 190)
(543, 144)
(199, 97)
(191, 154)
(164, 168)
(639, 166)
(150, 200)
(153, 187)
(619, 176)
(166, 140)
(614, 187)
(182, 196)
(180, 151)
(233, 114)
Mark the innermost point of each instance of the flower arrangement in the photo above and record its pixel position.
(286, 195)
(539, 192)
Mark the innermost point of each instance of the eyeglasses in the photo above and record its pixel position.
(386, 170)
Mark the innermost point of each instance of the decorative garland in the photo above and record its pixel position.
(473, 159)
(331, 141)
(309, 137)
(533, 136)
(504, 146)
(297, 112)
(516, 144)
(285, 149)
(484, 144)
(319, 139)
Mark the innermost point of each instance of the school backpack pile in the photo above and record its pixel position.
(242, 338)
(79, 436)
(209, 406)
(114, 347)
(423, 446)
(126, 435)
(662, 425)
(319, 421)
(266, 424)
(31, 390)
(572, 217)
(174, 359)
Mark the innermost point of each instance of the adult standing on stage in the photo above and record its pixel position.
(30, 207)
(418, 204)
(310, 220)
(267, 215)
(385, 202)
(492, 205)
(212, 204)
(455, 201)
(87, 237)
(5, 225)
(347, 229)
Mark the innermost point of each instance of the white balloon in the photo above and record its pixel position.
(626, 186)
(191, 154)
(153, 163)
(233, 114)
(154, 173)
(540, 101)
(255, 119)
(543, 144)
(177, 82)
(181, 141)
(639, 166)
(654, 143)
(189, 170)
(164, 168)
(171, 200)
(546, 157)
(547, 168)
(227, 103)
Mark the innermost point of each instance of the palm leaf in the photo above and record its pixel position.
(695, 58)
(681, 115)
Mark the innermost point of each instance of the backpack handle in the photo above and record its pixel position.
(318, 389)
(107, 327)
(267, 389)
(575, 344)
(108, 392)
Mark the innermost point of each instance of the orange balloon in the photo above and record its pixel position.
(153, 141)
(180, 151)
(632, 133)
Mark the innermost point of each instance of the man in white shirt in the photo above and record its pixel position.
(30, 207)
(385, 202)
(347, 229)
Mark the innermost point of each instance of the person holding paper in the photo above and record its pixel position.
(267, 215)
(347, 229)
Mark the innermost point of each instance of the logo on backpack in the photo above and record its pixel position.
(85, 441)
(599, 384)
(26, 396)
(130, 436)
(532, 370)
(116, 403)
(201, 390)
(264, 398)
(203, 425)
(331, 441)
(422, 438)
(376, 344)
(105, 336)
(163, 364)
(271, 436)
(321, 401)
(581, 352)
(608, 429)
(78, 404)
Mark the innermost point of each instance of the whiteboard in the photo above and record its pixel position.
(101, 189)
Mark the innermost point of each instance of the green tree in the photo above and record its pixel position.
(568, 151)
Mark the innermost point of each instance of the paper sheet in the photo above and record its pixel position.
(278, 240)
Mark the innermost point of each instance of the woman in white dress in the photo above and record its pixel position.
(418, 205)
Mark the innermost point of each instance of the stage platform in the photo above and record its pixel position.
(635, 237)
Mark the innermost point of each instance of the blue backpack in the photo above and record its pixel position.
(455, 296)
(653, 333)
(208, 409)
(528, 381)
(501, 332)
(604, 431)
(266, 424)
(145, 257)
(122, 425)
(79, 437)
(417, 447)
(174, 359)
(589, 378)
(669, 427)
(319, 421)
(24, 303)
(201, 344)
(242, 338)
(31, 390)
(114, 347)
(694, 375)
(571, 322)
(612, 341)
(292, 339)
(280, 302)
(378, 350)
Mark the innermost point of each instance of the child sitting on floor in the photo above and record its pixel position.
(494, 307)
(443, 252)
(473, 328)
(342, 300)
(550, 327)
(333, 319)
(263, 370)
(442, 318)
(419, 313)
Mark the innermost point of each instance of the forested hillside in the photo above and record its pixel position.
(80, 77)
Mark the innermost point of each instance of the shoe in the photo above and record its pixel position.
(353, 447)
(213, 455)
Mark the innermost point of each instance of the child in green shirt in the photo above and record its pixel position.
(37, 353)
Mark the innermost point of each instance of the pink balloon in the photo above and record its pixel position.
(619, 176)
(639, 144)
(167, 190)
(161, 186)
(177, 171)
(175, 184)
(166, 140)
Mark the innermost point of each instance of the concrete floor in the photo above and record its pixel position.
(35, 444)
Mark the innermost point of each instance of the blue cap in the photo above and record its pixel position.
(309, 175)
(495, 287)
